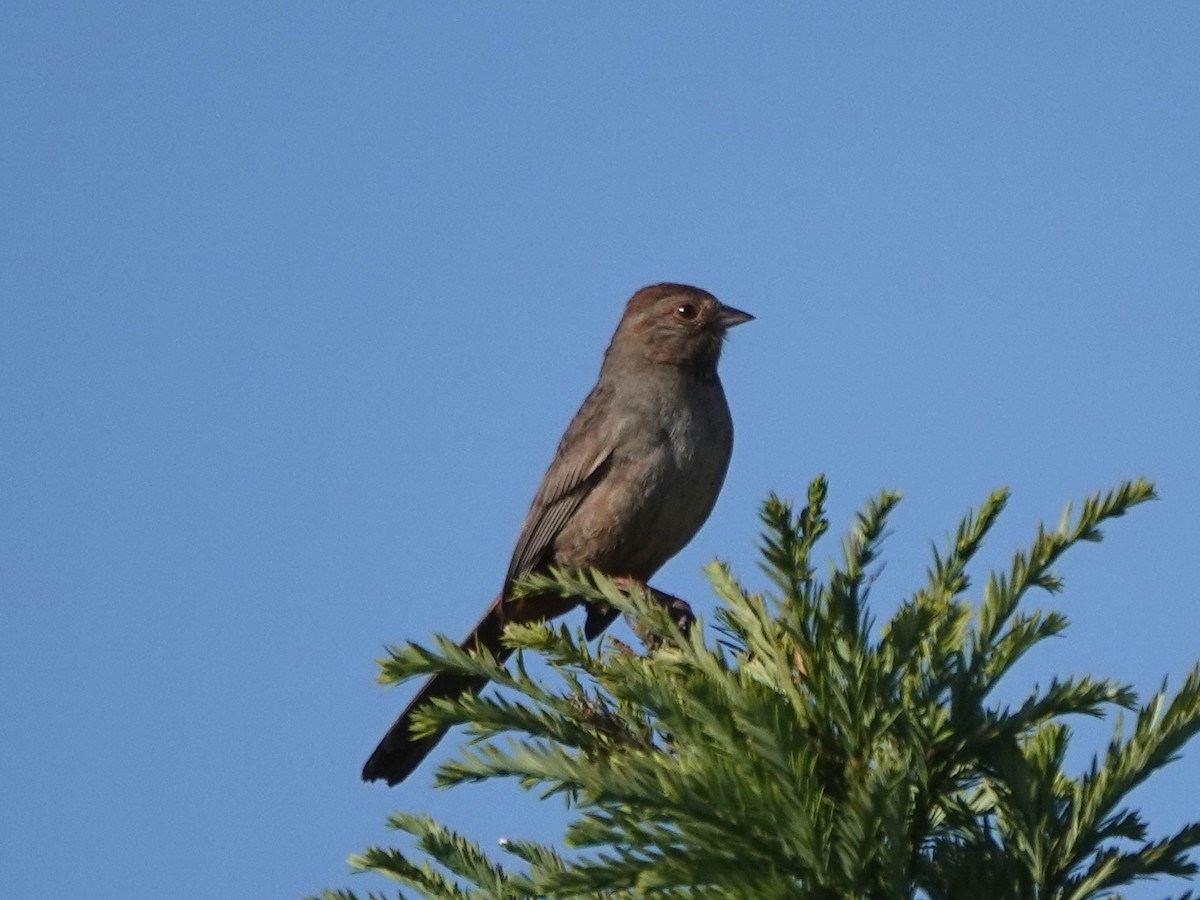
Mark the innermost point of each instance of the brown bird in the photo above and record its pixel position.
(634, 477)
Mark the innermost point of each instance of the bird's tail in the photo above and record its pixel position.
(399, 752)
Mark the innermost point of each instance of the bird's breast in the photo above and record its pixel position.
(667, 468)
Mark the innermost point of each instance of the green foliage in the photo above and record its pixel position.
(805, 753)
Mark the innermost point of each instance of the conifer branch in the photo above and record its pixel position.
(798, 755)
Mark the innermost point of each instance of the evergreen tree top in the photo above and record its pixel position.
(797, 751)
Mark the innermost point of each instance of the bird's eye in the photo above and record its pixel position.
(687, 312)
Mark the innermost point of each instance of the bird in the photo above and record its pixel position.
(634, 477)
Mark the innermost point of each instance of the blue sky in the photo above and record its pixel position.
(296, 299)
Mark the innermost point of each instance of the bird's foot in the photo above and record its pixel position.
(677, 608)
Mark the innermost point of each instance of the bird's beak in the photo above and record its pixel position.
(728, 316)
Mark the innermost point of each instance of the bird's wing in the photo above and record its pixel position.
(560, 495)
(579, 464)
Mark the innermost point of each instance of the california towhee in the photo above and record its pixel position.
(632, 481)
